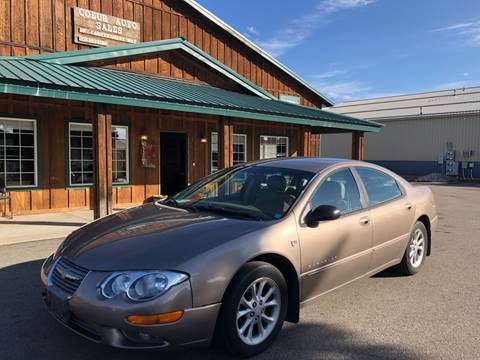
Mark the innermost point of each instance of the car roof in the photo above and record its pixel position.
(312, 164)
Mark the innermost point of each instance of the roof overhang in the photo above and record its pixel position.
(151, 47)
(29, 77)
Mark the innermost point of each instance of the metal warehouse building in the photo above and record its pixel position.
(434, 132)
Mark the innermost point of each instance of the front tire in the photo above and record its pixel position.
(253, 310)
(416, 251)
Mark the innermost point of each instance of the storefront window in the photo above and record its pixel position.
(18, 162)
(213, 152)
(81, 154)
(273, 147)
(120, 155)
(239, 150)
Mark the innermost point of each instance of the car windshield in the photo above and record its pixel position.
(255, 192)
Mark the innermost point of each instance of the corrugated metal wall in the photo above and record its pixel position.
(414, 139)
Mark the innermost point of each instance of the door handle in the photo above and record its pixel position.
(364, 221)
(408, 206)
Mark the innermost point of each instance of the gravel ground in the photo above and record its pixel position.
(433, 315)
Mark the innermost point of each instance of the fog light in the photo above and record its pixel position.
(164, 318)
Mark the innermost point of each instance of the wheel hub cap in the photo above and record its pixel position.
(417, 248)
(258, 311)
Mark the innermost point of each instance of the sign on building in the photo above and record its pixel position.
(98, 29)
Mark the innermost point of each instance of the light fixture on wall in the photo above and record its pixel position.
(203, 140)
(144, 137)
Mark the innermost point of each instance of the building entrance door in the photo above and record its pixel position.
(173, 162)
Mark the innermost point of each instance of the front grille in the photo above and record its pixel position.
(67, 276)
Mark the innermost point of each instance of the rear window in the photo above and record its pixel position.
(380, 187)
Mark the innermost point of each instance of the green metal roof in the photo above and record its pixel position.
(150, 47)
(102, 85)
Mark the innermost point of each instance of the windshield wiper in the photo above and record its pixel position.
(225, 210)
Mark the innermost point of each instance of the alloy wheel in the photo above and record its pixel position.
(258, 311)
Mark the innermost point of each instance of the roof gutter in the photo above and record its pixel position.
(158, 104)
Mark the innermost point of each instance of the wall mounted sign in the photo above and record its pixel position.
(97, 29)
(148, 154)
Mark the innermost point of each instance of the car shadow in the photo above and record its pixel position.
(28, 331)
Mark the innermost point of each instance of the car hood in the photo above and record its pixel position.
(149, 237)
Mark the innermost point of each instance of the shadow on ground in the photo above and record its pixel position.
(28, 332)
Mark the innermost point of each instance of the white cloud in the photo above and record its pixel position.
(470, 31)
(329, 74)
(251, 31)
(299, 29)
(460, 84)
(466, 74)
(338, 85)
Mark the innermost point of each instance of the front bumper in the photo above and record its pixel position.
(104, 321)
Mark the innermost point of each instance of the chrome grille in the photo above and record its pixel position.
(67, 276)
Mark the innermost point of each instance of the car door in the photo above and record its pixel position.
(391, 214)
(336, 251)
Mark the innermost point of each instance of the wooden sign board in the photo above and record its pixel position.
(98, 29)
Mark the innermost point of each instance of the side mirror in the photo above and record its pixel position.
(322, 213)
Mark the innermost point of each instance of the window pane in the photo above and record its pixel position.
(75, 141)
(87, 178)
(12, 152)
(380, 187)
(87, 166)
(75, 178)
(87, 154)
(13, 179)
(12, 139)
(26, 153)
(213, 152)
(340, 190)
(27, 140)
(28, 179)
(75, 154)
(28, 166)
(120, 177)
(13, 166)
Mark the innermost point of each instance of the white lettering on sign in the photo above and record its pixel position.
(103, 29)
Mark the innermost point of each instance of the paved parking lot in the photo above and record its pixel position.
(434, 315)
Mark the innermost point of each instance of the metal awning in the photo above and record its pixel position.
(30, 77)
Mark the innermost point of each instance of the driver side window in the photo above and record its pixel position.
(339, 189)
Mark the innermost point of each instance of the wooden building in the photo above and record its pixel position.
(106, 103)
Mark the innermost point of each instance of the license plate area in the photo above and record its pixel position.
(57, 304)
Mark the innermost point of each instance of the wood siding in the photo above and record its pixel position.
(39, 26)
(53, 193)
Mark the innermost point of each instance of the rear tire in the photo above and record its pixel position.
(253, 310)
(416, 250)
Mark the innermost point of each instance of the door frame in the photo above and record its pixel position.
(187, 157)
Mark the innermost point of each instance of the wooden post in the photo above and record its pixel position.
(102, 144)
(358, 145)
(306, 141)
(225, 144)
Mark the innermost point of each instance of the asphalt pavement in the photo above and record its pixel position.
(433, 315)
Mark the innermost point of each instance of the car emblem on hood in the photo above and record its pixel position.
(66, 275)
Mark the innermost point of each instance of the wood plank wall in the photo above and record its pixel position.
(53, 194)
(40, 26)
(176, 65)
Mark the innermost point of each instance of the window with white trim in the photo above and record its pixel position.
(239, 149)
(81, 155)
(213, 152)
(18, 152)
(120, 155)
(273, 147)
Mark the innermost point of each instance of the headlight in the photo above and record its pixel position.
(140, 285)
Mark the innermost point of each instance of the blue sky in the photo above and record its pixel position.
(355, 49)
